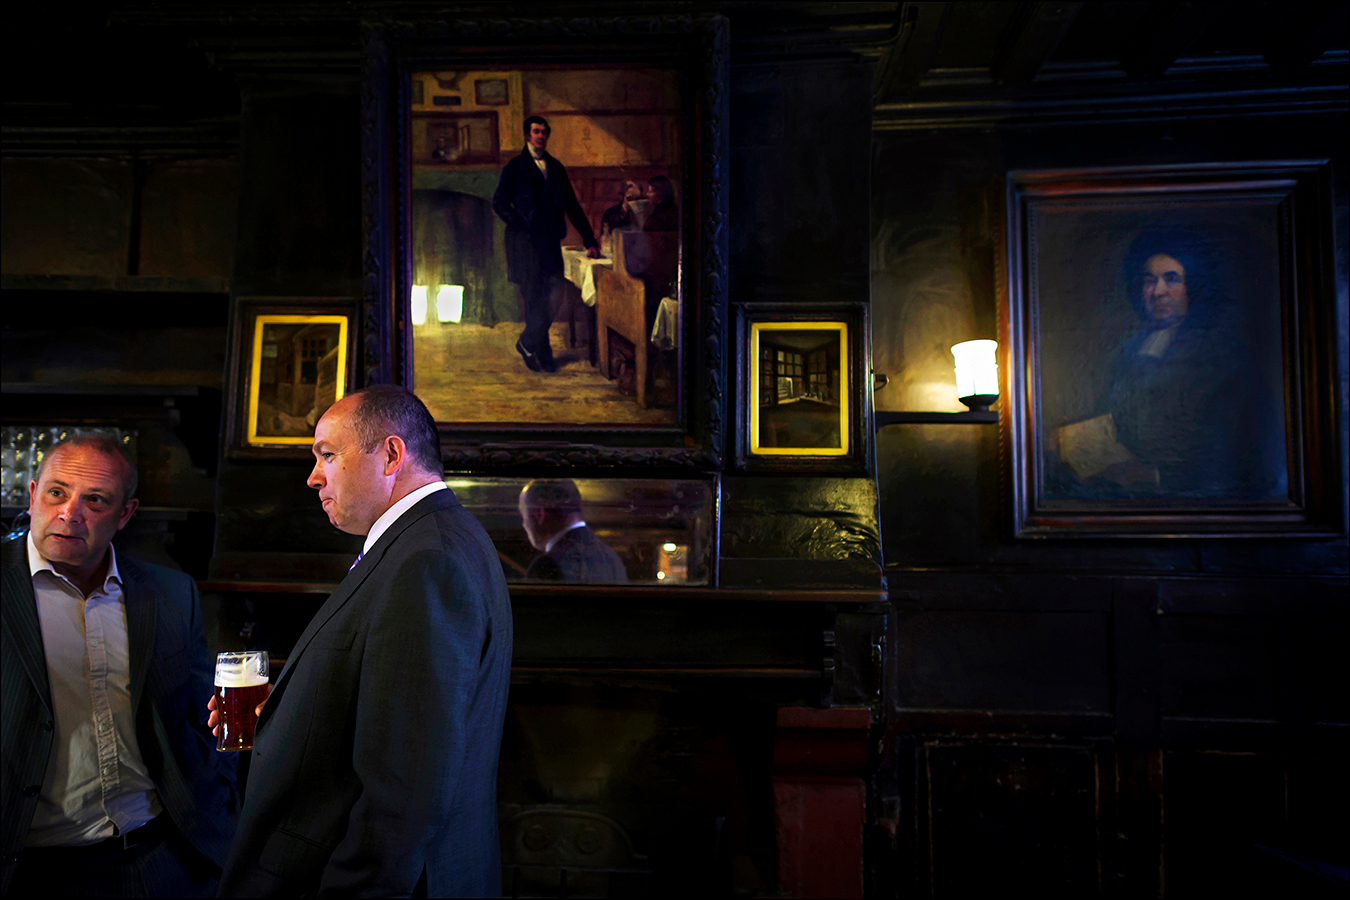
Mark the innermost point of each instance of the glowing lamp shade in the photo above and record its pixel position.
(449, 302)
(419, 304)
(977, 373)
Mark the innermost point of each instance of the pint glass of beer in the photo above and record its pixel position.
(241, 684)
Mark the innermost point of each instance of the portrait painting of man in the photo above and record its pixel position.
(1161, 355)
(513, 265)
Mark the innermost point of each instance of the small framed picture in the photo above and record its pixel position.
(491, 92)
(292, 361)
(801, 387)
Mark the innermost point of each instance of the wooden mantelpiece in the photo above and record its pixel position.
(643, 593)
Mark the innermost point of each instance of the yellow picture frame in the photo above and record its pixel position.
(799, 389)
(295, 362)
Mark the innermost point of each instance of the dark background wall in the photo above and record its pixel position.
(1071, 716)
(1124, 715)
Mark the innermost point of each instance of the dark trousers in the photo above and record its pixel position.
(536, 305)
(167, 866)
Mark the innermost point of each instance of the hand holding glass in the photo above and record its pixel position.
(241, 686)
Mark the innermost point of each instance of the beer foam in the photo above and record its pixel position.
(240, 676)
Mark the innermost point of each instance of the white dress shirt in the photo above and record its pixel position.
(540, 160)
(392, 513)
(97, 785)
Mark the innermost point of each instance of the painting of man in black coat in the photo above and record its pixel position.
(532, 198)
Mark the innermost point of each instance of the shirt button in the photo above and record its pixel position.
(93, 643)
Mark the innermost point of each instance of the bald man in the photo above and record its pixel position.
(374, 768)
(550, 513)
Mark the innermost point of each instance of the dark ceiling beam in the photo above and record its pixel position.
(1314, 29)
(1165, 33)
(1031, 37)
(911, 54)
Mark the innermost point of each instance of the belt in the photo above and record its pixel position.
(153, 830)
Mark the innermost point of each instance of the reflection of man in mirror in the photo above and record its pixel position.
(1187, 411)
(550, 511)
(532, 198)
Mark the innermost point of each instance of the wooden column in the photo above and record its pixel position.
(820, 756)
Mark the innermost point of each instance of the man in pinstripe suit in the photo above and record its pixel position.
(111, 782)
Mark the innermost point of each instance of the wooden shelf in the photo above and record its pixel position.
(987, 417)
(611, 593)
(77, 389)
(662, 672)
(100, 284)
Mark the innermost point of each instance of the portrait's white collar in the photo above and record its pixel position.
(1156, 344)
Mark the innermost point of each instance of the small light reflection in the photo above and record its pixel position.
(672, 563)
(419, 304)
(449, 303)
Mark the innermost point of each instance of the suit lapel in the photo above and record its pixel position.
(20, 617)
(138, 592)
(349, 586)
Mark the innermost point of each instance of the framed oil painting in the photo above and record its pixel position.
(554, 232)
(1171, 352)
(291, 361)
(802, 380)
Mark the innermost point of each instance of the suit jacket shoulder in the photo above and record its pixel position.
(579, 557)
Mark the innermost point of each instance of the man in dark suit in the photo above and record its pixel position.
(374, 767)
(112, 785)
(532, 197)
(550, 511)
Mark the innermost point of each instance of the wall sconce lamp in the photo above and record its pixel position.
(976, 373)
(976, 386)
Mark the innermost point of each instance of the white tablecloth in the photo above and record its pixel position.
(666, 328)
(579, 269)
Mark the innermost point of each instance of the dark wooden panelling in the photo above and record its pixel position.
(1028, 591)
(65, 217)
(1217, 806)
(1012, 818)
(267, 508)
(1003, 661)
(801, 518)
(1138, 737)
(188, 218)
(300, 193)
(1207, 684)
(667, 633)
(1318, 787)
(1219, 666)
(801, 231)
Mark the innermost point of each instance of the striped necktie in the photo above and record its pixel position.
(359, 557)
